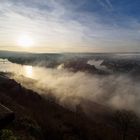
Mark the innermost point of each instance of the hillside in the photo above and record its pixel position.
(37, 118)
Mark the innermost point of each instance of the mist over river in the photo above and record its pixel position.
(71, 88)
(7, 66)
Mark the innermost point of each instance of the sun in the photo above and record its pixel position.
(25, 41)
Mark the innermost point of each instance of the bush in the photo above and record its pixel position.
(6, 134)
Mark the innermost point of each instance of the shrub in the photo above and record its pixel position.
(6, 134)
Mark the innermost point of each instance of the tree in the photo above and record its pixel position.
(125, 120)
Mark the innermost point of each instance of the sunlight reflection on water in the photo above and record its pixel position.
(25, 70)
(28, 70)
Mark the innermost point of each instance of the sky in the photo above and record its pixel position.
(70, 25)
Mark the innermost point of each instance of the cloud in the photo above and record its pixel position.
(47, 27)
(106, 4)
(109, 4)
(61, 26)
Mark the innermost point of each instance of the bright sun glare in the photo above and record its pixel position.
(25, 41)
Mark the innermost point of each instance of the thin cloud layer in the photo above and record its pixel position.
(68, 26)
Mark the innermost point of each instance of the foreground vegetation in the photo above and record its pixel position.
(37, 118)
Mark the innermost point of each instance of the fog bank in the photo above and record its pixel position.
(69, 88)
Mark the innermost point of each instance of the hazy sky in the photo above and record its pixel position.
(70, 25)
